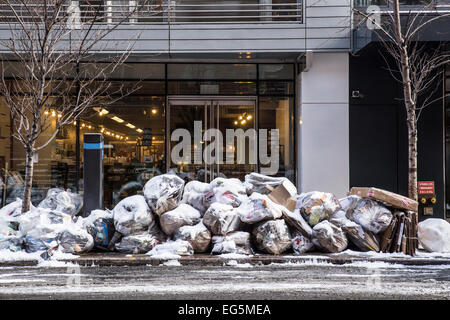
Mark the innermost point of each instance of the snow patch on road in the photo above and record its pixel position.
(233, 256)
(172, 263)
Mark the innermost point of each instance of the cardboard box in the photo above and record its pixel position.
(282, 196)
(386, 197)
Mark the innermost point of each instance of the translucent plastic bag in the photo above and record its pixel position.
(258, 183)
(257, 208)
(272, 236)
(193, 195)
(316, 206)
(226, 191)
(75, 239)
(329, 237)
(183, 215)
(163, 193)
(132, 215)
(301, 244)
(14, 209)
(197, 235)
(370, 214)
(64, 201)
(136, 243)
(221, 219)
(171, 249)
(236, 242)
(100, 224)
(434, 235)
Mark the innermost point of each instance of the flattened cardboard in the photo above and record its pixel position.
(386, 197)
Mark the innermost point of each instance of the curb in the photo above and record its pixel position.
(115, 259)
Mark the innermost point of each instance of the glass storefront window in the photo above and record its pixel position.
(54, 166)
(212, 87)
(211, 71)
(130, 159)
(276, 72)
(128, 71)
(277, 113)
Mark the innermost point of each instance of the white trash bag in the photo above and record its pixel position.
(272, 236)
(193, 195)
(183, 215)
(163, 193)
(132, 215)
(226, 191)
(370, 214)
(136, 243)
(258, 182)
(171, 249)
(236, 242)
(58, 199)
(197, 235)
(258, 208)
(434, 235)
(329, 237)
(221, 219)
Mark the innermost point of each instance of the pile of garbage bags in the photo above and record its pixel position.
(227, 216)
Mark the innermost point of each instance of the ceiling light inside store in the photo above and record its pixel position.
(139, 130)
(154, 111)
(103, 112)
(249, 117)
(243, 121)
(117, 119)
(235, 122)
(129, 125)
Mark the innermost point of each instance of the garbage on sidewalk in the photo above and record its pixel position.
(163, 193)
(434, 235)
(183, 215)
(197, 235)
(171, 248)
(100, 225)
(226, 216)
(316, 206)
(193, 195)
(258, 208)
(329, 237)
(272, 236)
(132, 215)
(221, 219)
(58, 199)
(136, 243)
(401, 234)
(236, 242)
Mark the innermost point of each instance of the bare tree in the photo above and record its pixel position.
(417, 67)
(49, 40)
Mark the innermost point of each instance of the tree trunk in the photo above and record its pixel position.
(28, 180)
(412, 158)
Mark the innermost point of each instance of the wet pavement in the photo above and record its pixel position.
(232, 279)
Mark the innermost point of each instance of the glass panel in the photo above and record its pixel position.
(211, 71)
(130, 160)
(277, 113)
(447, 140)
(183, 114)
(235, 116)
(54, 166)
(212, 87)
(276, 71)
(137, 71)
(276, 87)
(133, 87)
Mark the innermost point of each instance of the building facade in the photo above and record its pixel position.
(287, 65)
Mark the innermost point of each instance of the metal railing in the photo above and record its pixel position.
(171, 11)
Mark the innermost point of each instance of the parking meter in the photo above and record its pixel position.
(93, 172)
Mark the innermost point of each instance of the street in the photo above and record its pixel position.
(311, 280)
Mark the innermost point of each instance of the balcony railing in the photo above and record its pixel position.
(172, 11)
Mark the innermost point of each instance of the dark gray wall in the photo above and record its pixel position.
(378, 134)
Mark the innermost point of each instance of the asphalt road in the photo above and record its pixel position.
(377, 280)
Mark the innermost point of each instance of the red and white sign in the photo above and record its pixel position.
(426, 187)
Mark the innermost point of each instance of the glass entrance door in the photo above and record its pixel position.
(211, 137)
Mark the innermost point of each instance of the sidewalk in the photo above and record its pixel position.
(346, 257)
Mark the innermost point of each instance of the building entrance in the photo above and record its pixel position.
(205, 155)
